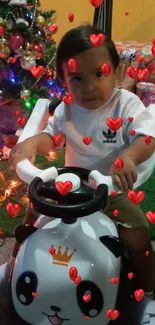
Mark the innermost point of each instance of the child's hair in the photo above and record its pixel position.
(76, 41)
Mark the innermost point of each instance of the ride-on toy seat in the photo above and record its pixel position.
(63, 271)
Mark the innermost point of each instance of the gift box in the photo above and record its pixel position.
(135, 54)
(146, 92)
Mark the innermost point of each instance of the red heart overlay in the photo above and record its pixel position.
(87, 140)
(37, 71)
(73, 273)
(132, 72)
(139, 294)
(113, 193)
(132, 132)
(119, 164)
(12, 60)
(143, 74)
(96, 3)
(150, 217)
(112, 314)
(114, 123)
(2, 30)
(114, 280)
(153, 50)
(22, 121)
(63, 188)
(97, 39)
(13, 209)
(72, 65)
(115, 213)
(57, 139)
(17, 113)
(67, 99)
(71, 17)
(106, 69)
(130, 119)
(52, 250)
(136, 197)
(130, 275)
(78, 280)
(147, 139)
(86, 298)
(53, 28)
(34, 294)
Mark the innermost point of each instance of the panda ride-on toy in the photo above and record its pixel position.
(63, 270)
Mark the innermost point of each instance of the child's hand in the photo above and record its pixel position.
(23, 150)
(125, 178)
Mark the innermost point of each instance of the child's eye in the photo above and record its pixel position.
(99, 74)
(76, 79)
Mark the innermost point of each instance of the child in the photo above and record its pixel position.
(94, 100)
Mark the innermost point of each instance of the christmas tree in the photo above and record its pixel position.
(27, 53)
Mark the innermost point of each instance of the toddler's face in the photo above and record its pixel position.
(88, 85)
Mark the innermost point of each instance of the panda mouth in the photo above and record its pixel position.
(55, 319)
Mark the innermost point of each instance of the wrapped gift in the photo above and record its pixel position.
(138, 55)
(146, 92)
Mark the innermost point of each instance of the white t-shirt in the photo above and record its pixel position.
(74, 122)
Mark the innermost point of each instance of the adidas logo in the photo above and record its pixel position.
(109, 136)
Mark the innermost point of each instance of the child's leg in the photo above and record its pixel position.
(134, 231)
(30, 218)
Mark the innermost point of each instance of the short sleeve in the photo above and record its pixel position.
(55, 125)
(143, 121)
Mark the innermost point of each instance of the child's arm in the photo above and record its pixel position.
(139, 151)
(135, 154)
(41, 143)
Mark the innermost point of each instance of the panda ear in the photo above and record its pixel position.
(113, 244)
(24, 231)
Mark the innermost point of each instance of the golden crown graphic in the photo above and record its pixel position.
(60, 258)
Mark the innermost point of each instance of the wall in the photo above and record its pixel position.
(82, 10)
(138, 25)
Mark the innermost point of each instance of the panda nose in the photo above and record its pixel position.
(55, 308)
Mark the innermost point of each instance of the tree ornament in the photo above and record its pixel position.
(48, 38)
(27, 62)
(29, 46)
(15, 41)
(25, 94)
(2, 30)
(40, 20)
(2, 22)
(39, 47)
(49, 74)
(9, 24)
(19, 6)
(3, 40)
(4, 51)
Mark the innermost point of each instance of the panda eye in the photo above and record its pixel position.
(94, 306)
(26, 284)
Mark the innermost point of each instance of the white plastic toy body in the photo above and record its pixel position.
(59, 300)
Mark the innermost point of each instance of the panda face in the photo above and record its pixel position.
(28, 283)
(95, 305)
(42, 291)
